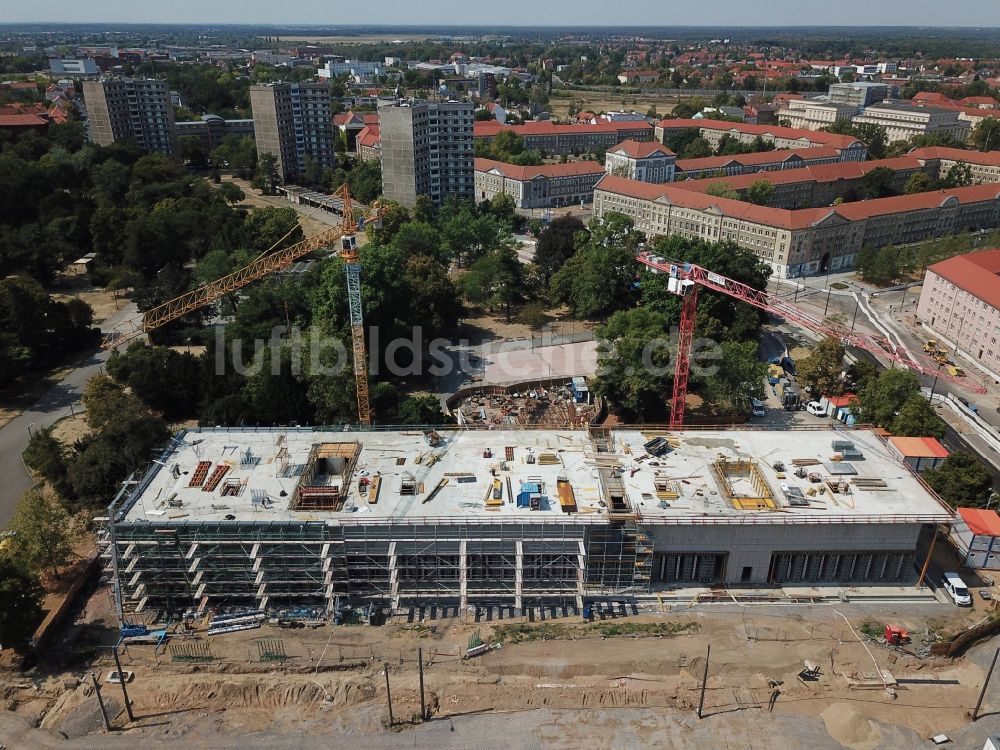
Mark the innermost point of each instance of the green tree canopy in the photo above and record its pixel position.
(21, 594)
(634, 371)
(600, 276)
(41, 540)
(557, 243)
(917, 418)
(882, 398)
(822, 370)
(961, 480)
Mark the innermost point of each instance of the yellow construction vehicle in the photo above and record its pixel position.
(930, 346)
(956, 372)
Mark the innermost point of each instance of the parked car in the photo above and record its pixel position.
(985, 595)
(816, 409)
(957, 589)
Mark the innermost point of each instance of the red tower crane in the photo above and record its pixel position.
(690, 278)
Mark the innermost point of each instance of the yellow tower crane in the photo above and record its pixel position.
(264, 265)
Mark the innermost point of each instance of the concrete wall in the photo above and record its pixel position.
(398, 155)
(752, 546)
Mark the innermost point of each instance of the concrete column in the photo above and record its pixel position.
(463, 574)
(518, 575)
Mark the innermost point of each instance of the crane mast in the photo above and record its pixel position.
(687, 278)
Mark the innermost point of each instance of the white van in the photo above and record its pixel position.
(757, 408)
(957, 589)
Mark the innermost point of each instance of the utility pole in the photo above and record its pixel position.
(388, 695)
(100, 701)
(121, 678)
(975, 713)
(704, 681)
(423, 706)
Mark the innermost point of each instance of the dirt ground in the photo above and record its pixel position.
(311, 225)
(549, 680)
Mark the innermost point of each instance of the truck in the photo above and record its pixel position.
(789, 394)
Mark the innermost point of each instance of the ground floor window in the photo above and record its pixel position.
(873, 565)
(691, 567)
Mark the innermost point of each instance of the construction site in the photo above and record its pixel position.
(518, 518)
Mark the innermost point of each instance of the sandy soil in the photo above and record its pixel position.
(67, 431)
(332, 684)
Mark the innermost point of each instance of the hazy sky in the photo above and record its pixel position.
(517, 12)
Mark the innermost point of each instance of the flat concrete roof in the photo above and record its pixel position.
(684, 477)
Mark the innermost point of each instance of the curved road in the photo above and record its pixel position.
(52, 406)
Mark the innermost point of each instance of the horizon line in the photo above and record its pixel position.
(493, 26)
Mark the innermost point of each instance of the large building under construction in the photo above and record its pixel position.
(518, 518)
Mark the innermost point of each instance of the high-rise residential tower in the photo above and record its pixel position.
(293, 122)
(131, 109)
(426, 150)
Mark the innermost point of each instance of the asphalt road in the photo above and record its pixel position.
(54, 405)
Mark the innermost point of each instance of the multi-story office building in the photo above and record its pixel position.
(293, 122)
(806, 240)
(131, 109)
(426, 150)
(903, 121)
(783, 138)
(960, 305)
(547, 186)
(859, 94)
(811, 114)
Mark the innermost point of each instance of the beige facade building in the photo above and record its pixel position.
(644, 161)
(131, 109)
(762, 161)
(802, 241)
(547, 186)
(984, 166)
(960, 306)
(783, 138)
(903, 121)
(808, 114)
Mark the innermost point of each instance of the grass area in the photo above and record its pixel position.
(522, 632)
(871, 630)
(838, 285)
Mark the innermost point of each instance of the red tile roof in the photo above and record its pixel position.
(22, 121)
(489, 128)
(981, 522)
(369, 136)
(918, 447)
(983, 158)
(844, 170)
(515, 172)
(932, 97)
(976, 273)
(839, 401)
(978, 101)
(803, 217)
(758, 158)
(813, 136)
(640, 149)
(677, 196)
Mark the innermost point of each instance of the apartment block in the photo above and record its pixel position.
(293, 122)
(555, 139)
(802, 241)
(903, 121)
(645, 161)
(131, 109)
(960, 305)
(426, 150)
(547, 186)
(783, 138)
